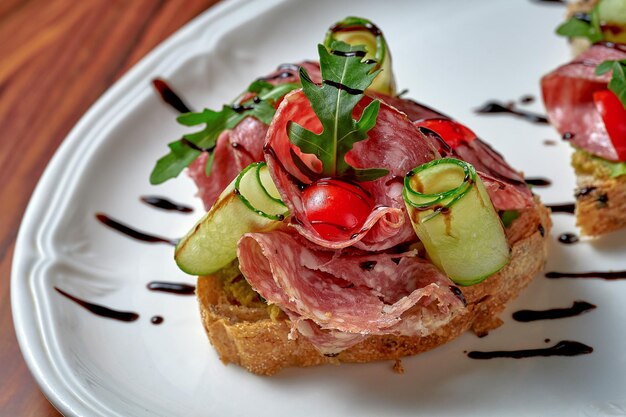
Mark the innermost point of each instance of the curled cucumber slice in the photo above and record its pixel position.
(358, 31)
(251, 203)
(454, 218)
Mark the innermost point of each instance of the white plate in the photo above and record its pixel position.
(454, 55)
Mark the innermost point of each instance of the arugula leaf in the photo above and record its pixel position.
(576, 27)
(173, 163)
(345, 78)
(618, 81)
(184, 151)
(604, 67)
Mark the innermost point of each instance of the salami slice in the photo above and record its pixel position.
(337, 292)
(394, 143)
(568, 97)
(327, 342)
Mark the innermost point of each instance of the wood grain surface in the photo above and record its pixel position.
(56, 58)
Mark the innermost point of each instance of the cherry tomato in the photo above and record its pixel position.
(453, 133)
(336, 209)
(614, 116)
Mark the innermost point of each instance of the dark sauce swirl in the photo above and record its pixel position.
(169, 96)
(563, 348)
(578, 308)
(165, 204)
(343, 87)
(349, 54)
(100, 310)
(496, 107)
(562, 208)
(133, 233)
(607, 275)
(171, 287)
(370, 27)
(538, 181)
(568, 238)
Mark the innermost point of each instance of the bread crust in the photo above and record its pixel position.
(250, 338)
(600, 204)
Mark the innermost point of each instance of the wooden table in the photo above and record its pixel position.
(56, 58)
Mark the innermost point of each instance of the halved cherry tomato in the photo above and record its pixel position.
(614, 116)
(453, 133)
(336, 209)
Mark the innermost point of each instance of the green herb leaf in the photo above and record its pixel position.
(216, 123)
(604, 67)
(574, 28)
(618, 81)
(345, 79)
(173, 163)
(184, 151)
(508, 216)
(259, 86)
(577, 28)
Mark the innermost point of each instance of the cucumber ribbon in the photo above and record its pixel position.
(454, 218)
(250, 203)
(360, 31)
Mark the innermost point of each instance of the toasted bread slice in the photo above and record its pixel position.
(258, 341)
(600, 197)
(600, 204)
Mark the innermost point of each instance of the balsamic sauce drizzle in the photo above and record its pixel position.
(169, 96)
(458, 294)
(370, 27)
(568, 238)
(192, 145)
(578, 308)
(101, 310)
(562, 208)
(563, 348)
(559, 2)
(607, 275)
(585, 191)
(538, 181)
(496, 107)
(340, 86)
(156, 320)
(165, 204)
(133, 233)
(238, 108)
(349, 54)
(171, 287)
